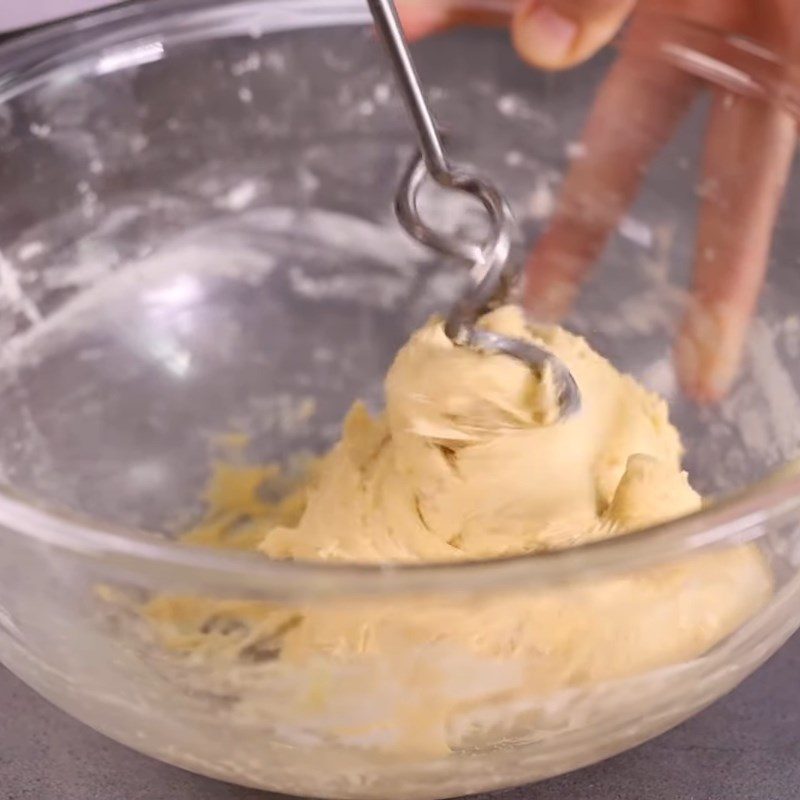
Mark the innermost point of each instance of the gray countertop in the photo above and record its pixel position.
(745, 747)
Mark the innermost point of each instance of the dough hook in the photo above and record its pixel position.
(492, 273)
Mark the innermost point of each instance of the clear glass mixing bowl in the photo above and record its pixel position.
(197, 238)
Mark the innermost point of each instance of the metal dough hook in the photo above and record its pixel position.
(492, 273)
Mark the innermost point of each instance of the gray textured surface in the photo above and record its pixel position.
(746, 747)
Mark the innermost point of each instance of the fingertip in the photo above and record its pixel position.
(550, 279)
(543, 36)
(708, 352)
(558, 34)
(549, 302)
(690, 370)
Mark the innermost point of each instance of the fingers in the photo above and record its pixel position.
(635, 112)
(748, 157)
(554, 34)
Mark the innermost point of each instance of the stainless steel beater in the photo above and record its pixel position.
(493, 273)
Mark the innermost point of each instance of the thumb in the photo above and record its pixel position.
(554, 34)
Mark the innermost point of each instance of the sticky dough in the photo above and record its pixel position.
(466, 463)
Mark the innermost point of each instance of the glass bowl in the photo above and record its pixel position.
(199, 260)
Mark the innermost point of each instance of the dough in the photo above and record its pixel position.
(467, 462)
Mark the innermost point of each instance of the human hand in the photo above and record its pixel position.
(749, 148)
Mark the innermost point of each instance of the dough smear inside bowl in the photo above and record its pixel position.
(466, 463)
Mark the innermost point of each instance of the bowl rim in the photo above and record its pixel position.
(739, 518)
